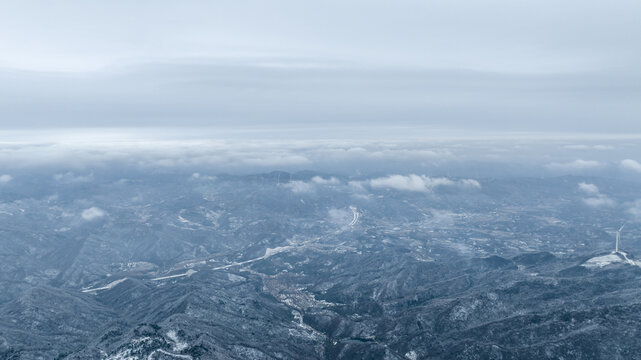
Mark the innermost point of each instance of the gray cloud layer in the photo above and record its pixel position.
(495, 35)
(251, 94)
(493, 66)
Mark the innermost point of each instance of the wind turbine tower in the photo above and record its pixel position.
(616, 248)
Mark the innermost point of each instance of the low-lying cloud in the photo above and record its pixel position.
(598, 201)
(92, 213)
(630, 164)
(588, 147)
(339, 216)
(301, 187)
(322, 181)
(576, 165)
(595, 197)
(71, 178)
(588, 188)
(634, 210)
(5, 178)
(75, 155)
(419, 183)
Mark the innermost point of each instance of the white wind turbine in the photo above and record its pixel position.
(616, 248)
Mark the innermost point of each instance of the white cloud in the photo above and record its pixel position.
(576, 147)
(596, 199)
(70, 178)
(356, 186)
(199, 176)
(420, 183)
(339, 216)
(575, 165)
(5, 178)
(470, 183)
(634, 209)
(631, 165)
(400, 182)
(587, 147)
(588, 188)
(272, 160)
(92, 213)
(329, 181)
(442, 218)
(300, 187)
(599, 201)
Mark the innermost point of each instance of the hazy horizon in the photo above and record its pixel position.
(464, 66)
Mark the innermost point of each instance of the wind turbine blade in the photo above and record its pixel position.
(621, 228)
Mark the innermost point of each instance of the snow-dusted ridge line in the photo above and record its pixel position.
(268, 252)
(106, 287)
(189, 272)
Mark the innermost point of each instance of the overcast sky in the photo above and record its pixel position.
(463, 65)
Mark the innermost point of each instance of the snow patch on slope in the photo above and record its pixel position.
(178, 345)
(613, 258)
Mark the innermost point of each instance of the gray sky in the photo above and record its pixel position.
(553, 66)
